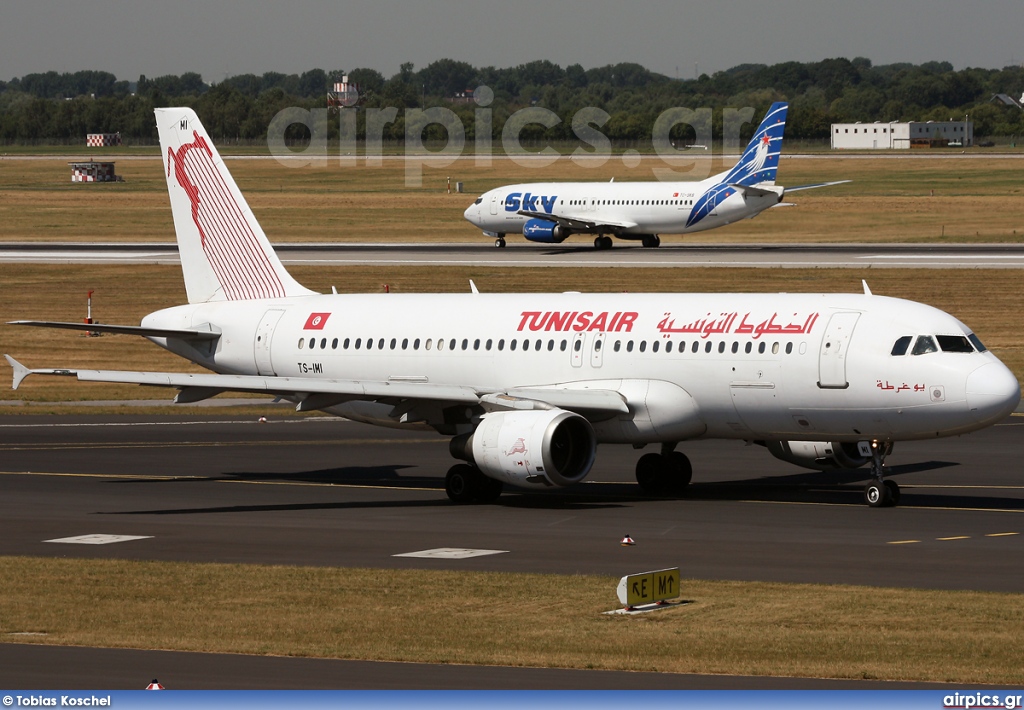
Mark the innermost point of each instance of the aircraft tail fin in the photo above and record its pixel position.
(760, 160)
(225, 256)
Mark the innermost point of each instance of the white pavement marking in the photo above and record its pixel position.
(450, 553)
(98, 539)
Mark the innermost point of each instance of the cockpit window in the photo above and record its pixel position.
(954, 344)
(478, 201)
(977, 343)
(925, 344)
(901, 345)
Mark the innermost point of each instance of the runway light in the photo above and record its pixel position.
(155, 685)
(627, 541)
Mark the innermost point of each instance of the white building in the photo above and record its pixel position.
(913, 134)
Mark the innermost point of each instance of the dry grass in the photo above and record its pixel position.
(541, 620)
(890, 200)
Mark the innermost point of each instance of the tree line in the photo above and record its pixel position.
(62, 108)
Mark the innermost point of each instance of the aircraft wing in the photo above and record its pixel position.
(183, 334)
(578, 225)
(321, 393)
(816, 185)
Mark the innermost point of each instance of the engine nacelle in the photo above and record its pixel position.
(541, 230)
(532, 449)
(821, 455)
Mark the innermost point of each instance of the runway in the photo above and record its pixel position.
(328, 492)
(576, 253)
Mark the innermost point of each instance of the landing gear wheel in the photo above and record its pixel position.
(458, 483)
(500, 242)
(894, 492)
(651, 241)
(650, 473)
(488, 489)
(682, 471)
(877, 494)
(603, 242)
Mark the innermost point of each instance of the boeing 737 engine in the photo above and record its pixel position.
(530, 449)
(541, 230)
(820, 455)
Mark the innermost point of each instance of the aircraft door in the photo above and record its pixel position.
(494, 204)
(577, 349)
(597, 351)
(261, 345)
(834, 346)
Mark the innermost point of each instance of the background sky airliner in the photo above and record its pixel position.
(528, 385)
(550, 212)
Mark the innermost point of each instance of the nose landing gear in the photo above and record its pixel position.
(880, 493)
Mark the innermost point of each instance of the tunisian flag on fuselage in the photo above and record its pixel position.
(316, 321)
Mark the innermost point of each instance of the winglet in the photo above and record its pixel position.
(472, 287)
(867, 291)
(20, 371)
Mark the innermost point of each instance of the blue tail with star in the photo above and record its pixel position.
(760, 161)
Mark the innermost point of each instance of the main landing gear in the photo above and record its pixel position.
(665, 473)
(651, 241)
(880, 493)
(603, 242)
(465, 483)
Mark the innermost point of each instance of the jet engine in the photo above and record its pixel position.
(541, 230)
(531, 449)
(821, 455)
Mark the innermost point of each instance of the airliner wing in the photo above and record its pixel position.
(577, 225)
(321, 393)
(183, 334)
(816, 185)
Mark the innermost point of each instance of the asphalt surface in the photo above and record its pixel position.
(577, 252)
(336, 493)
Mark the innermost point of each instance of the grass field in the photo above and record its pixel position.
(890, 200)
(515, 620)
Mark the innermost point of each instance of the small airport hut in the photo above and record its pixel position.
(344, 94)
(102, 140)
(93, 171)
(902, 136)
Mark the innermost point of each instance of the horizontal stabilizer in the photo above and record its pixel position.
(816, 185)
(758, 191)
(181, 334)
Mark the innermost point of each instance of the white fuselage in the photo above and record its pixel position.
(780, 366)
(640, 207)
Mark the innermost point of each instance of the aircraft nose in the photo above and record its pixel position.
(472, 213)
(992, 393)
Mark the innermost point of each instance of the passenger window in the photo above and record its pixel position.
(512, 345)
(735, 347)
(501, 344)
(312, 343)
(369, 343)
(901, 345)
(526, 344)
(668, 346)
(451, 344)
(643, 346)
(537, 345)
(416, 344)
(721, 347)
(954, 344)
(488, 344)
(563, 345)
(696, 346)
(440, 343)
(323, 343)
(427, 344)
(476, 344)
(394, 343)
(465, 343)
(760, 348)
(345, 344)
(775, 348)
(925, 344)
(380, 344)
(748, 347)
(358, 341)
(654, 346)
(551, 345)
(618, 344)
(707, 347)
(789, 348)
(301, 341)
(629, 346)
(577, 345)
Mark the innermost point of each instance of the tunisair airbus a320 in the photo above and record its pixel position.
(527, 385)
